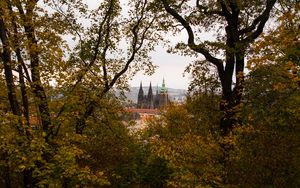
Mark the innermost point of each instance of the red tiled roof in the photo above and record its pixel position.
(145, 111)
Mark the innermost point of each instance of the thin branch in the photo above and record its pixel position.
(258, 23)
(93, 60)
(191, 43)
(61, 12)
(103, 54)
(16, 46)
(206, 11)
(135, 46)
(225, 10)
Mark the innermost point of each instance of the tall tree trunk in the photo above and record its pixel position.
(7, 177)
(38, 89)
(16, 43)
(231, 98)
(36, 83)
(6, 58)
(81, 120)
(24, 98)
(227, 104)
(28, 180)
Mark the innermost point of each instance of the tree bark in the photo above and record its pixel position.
(6, 58)
(24, 96)
(7, 179)
(36, 83)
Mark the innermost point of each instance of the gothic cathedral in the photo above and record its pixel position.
(151, 101)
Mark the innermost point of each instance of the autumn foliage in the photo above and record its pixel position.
(62, 123)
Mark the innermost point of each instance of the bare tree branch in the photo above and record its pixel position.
(191, 43)
(258, 23)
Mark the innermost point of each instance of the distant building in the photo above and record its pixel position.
(150, 101)
(178, 99)
(141, 117)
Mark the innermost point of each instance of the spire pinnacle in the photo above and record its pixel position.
(150, 90)
(141, 92)
(163, 88)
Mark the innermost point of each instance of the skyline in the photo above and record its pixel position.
(170, 67)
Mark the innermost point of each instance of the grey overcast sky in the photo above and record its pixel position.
(170, 67)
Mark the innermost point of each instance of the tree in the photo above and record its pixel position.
(58, 84)
(236, 24)
(112, 46)
(186, 140)
(204, 78)
(266, 150)
(8, 66)
(266, 153)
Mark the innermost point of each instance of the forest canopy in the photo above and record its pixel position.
(62, 123)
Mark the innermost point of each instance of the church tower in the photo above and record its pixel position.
(163, 95)
(150, 98)
(140, 97)
(156, 98)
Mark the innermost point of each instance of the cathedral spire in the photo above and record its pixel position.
(141, 89)
(150, 90)
(140, 96)
(163, 88)
(150, 97)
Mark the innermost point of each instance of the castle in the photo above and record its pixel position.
(151, 101)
